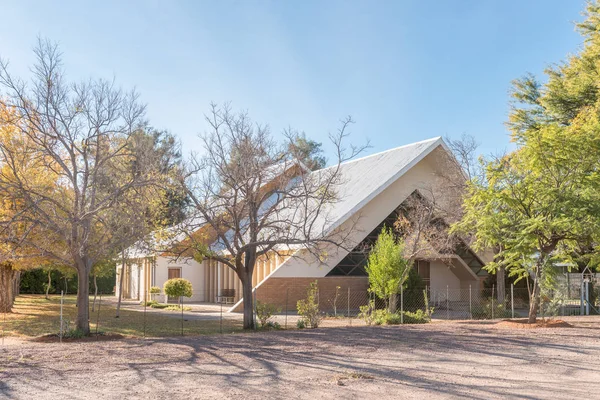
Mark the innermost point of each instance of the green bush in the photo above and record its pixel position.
(417, 317)
(380, 316)
(73, 334)
(159, 306)
(413, 292)
(173, 307)
(154, 290)
(366, 312)
(270, 325)
(178, 287)
(394, 319)
(300, 324)
(264, 312)
(373, 316)
(308, 308)
(35, 281)
(484, 310)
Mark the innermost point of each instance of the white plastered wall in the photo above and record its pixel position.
(134, 283)
(443, 280)
(190, 270)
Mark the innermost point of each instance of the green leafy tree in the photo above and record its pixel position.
(103, 269)
(308, 308)
(308, 151)
(178, 287)
(387, 268)
(541, 203)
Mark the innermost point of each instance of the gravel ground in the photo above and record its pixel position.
(474, 360)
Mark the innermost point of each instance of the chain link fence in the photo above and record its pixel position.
(463, 304)
(36, 316)
(571, 295)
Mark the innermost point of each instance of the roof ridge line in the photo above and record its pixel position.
(383, 152)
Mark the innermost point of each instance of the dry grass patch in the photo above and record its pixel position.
(35, 316)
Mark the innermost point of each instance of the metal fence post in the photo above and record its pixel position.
(492, 301)
(470, 303)
(447, 304)
(582, 301)
(348, 302)
(98, 317)
(512, 300)
(587, 297)
(181, 302)
(221, 319)
(61, 315)
(287, 295)
(145, 304)
(349, 318)
(254, 310)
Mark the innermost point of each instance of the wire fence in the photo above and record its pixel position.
(35, 315)
(55, 317)
(465, 303)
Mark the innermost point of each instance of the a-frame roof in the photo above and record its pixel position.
(365, 178)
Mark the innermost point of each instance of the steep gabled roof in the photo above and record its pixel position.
(365, 178)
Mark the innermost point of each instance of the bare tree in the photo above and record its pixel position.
(465, 150)
(423, 227)
(86, 138)
(253, 197)
(424, 218)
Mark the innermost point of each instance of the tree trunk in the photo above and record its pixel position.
(95, 293)
(6, 288)
(49, 283)
(83, 298)
(393, 303)
(248, 271)
(16, 284)
(248, 302)
(120, 286)
(500, 279)
(534, 297)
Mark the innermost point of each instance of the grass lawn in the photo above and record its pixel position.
(33, 315)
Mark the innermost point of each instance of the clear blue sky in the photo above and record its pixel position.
(405, 70)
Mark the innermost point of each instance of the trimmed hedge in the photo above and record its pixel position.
(35, 281)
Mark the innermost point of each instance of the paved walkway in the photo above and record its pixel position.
(199, 311)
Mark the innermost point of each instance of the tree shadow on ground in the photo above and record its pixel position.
(455, 359)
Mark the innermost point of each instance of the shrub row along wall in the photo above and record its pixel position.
(35, 282)
(282, 291)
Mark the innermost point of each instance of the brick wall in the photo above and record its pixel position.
(275, 291)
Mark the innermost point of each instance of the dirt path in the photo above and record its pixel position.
(445, 360)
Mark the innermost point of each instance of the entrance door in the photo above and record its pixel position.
(173, 273)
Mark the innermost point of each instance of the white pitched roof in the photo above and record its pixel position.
(366, 177)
